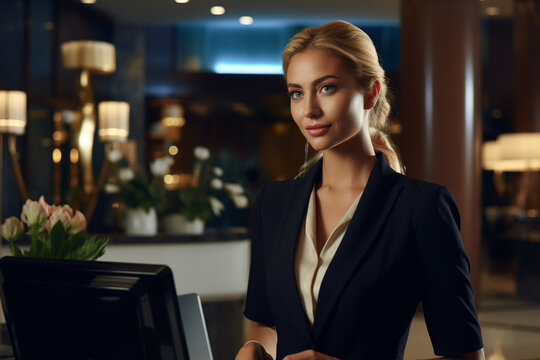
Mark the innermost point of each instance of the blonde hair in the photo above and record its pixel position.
(345, 40)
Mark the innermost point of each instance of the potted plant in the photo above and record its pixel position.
(56, 232)
(206, 195)
(143, 198)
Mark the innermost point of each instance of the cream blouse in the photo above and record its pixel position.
(309, 266)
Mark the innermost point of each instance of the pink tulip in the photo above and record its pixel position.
(11, 229)
(33, 214)
(64, 207)
(78, 223)
(62, 214)
(45, 206)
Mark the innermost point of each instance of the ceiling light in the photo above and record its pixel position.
(492, 11)
(246, 20)
(88, 1)
(173, 150)
(217, 10)
(182, 1)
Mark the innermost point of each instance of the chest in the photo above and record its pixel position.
(330, 208)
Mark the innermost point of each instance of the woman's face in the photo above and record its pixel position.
(326, 102)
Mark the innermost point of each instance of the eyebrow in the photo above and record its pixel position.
(315, 82)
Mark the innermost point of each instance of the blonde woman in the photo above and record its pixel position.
(343, 254)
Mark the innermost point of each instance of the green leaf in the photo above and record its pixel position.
(15, 250)
(55, 241)
(97, 249)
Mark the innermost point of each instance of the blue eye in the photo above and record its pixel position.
(328, 88)
(295, 94)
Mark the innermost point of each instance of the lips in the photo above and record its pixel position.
(317, 130)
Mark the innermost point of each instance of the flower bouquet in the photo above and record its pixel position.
(56, 232)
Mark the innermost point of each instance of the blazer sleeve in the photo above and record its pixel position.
(447, 294)
(257, 307)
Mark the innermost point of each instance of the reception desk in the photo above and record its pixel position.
(214, 265)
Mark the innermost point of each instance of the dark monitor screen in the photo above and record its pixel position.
(62, 309)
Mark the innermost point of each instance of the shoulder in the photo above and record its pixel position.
(272, 195)
(424, 199)
(424, 190)
(433, 203)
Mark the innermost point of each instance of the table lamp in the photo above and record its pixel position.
(12, 124)
(87, 56)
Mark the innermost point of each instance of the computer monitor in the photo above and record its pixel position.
(62, 309)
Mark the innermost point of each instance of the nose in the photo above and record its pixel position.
(312, 109)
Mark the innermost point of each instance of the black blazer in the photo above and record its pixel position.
(402, 246)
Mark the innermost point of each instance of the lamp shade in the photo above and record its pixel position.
(97, 56)
(524, 147)
(512, 152)
(12, 112)
(113, 121)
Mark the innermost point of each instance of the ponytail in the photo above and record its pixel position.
(382, 143)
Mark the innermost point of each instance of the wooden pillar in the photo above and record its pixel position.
(527, 55)
(441, 107)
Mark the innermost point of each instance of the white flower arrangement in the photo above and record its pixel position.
(207, 194)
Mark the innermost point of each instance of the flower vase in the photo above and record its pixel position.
(141, 222)
(177, 224)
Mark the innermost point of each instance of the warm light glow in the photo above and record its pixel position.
(57, 135)
(84, 78)
(280, 128)
(168, 179)
(88, 1)
(12, 126)
(492, 11)
(173, 150)
(217, 10)
(74, 155)
(113, 133)
(113, 121)
(56, 155)
(182, 1)
(115, 205)
(246, 20)
(86, 135)
(173, 121)
(395, 128)
(173, 115)
(12, 112)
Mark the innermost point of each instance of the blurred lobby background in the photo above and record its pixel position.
(462, 73)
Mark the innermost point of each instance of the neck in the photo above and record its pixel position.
(349, 164)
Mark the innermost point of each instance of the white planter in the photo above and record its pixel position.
(140, 222)
(177, 224)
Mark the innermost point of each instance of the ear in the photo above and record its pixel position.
(371, 99)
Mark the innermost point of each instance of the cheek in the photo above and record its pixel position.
(348, 112)
(296, 113)
(355, 111)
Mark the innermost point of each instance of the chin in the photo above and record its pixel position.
(320, 145)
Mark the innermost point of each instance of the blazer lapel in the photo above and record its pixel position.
(289, 230)
(377, 200)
